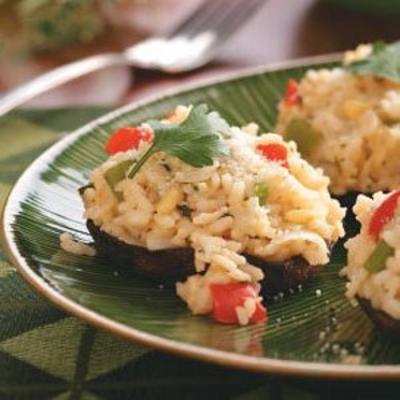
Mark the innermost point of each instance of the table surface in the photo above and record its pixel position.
(45, 353)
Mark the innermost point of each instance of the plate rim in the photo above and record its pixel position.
(305, 369)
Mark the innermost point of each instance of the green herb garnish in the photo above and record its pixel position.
(166, 166)
(261, 191)
(116, 174)
(195, 141)
(384, 61)
(184, 210)
(377, 260)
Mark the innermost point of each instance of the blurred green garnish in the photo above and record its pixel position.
(51, 24)
(384, 61)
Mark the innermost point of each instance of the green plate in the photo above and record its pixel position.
(312, 332)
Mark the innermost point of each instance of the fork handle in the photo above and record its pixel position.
(57, 77)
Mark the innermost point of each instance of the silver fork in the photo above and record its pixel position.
(192, 44)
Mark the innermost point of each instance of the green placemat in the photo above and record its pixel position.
(47, 354)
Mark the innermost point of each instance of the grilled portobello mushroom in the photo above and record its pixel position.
(180, 263)
(150, 264)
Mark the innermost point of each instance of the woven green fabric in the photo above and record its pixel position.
(46, 354)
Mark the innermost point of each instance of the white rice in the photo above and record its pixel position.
(70, 245)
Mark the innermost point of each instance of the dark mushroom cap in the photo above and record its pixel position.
(161, 265)
(381, 319)
(171, 265)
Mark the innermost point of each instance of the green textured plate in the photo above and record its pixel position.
(312, 332)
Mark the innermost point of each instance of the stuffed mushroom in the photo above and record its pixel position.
(373, 265)
(219, 210)
(346, 119)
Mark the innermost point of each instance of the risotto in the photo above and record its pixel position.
(258, 197)
(346, 123)
(373, 266)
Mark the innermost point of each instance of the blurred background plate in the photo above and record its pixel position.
(313, 330)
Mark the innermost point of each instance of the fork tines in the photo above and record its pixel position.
(219, 16)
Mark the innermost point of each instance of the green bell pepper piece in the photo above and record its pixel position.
(261, 191)
(304, 134)
(377, 260)
(116, 174)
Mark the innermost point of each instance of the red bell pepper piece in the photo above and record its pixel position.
(274, 152)
(226, 297)
(383, 214)
(291, 96)
(127, 138)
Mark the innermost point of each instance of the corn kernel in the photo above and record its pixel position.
(353, 109)
(169, 201)
(301, 216)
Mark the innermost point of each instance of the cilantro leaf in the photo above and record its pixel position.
(218, 124)
(195, 141)
(384, 61)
